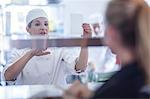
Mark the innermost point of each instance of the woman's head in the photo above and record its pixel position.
(37, 22)
(122, 16)
(129, 20)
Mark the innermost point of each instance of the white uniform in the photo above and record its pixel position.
(47, 69)
(102, 59)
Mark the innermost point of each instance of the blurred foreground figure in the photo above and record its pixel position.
(124, 37)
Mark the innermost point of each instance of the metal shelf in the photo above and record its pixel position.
(57, 42)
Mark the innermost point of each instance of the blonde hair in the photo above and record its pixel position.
(144, 38)
(132, 19)
(123, 15)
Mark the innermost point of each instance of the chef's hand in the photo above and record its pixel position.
(39, 52)
(87, 31)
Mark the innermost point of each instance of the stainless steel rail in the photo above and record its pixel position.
(57, 42)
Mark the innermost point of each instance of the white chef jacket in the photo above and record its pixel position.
(47, 69)
(103, 59)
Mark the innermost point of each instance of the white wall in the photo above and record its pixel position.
(78, 10)
(148, 1)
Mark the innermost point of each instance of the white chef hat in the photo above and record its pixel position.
(35, 13)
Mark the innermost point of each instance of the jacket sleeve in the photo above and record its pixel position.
(70, 56)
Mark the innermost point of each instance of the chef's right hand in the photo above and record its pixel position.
(39, 52)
